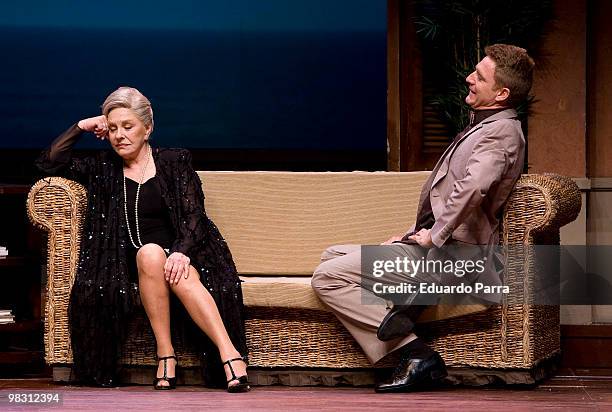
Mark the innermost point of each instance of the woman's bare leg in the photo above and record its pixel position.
(155, 296)
(203, 310)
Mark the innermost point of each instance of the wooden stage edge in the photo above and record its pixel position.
(565, 393)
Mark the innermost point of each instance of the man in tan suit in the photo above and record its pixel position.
(461, 202)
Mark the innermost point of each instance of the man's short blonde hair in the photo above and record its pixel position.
(513, 70)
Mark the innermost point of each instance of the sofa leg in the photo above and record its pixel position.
(62, 374)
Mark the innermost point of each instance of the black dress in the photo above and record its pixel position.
(154, 223)
(105, 291)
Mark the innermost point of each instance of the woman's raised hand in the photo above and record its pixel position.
(97, 125)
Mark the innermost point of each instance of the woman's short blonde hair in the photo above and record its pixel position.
(130, 98)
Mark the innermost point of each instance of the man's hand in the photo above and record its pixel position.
(177, 265)
(97, 125)
(423, 238)
(392, 239)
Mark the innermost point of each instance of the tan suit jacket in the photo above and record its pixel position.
(474, 179)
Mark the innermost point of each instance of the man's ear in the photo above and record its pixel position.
(502, 95)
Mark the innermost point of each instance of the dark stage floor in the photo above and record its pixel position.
(572, 390)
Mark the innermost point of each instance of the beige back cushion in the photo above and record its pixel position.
(278, 223)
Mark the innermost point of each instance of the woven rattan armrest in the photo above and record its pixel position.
(539, 205)
(57, 206)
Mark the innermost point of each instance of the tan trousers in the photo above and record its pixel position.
(337, 282)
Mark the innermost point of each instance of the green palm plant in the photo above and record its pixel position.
(454, 34)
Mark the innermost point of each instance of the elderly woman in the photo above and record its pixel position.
(146, 223)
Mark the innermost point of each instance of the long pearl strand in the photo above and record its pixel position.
(127, 221)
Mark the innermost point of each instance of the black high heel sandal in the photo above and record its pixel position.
(171, 381)
(243, 381)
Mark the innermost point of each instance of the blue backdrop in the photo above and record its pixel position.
(220, 74)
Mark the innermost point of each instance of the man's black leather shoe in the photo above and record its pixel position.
(398, 322)
(415, 373)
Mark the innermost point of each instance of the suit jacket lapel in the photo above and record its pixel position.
(431, 180)
(506, 114)
(445, 159)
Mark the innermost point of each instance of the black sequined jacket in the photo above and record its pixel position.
(104, 293)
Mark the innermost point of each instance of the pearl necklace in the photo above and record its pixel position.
(127, 221)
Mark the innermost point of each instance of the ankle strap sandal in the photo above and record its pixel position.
(171, 381)
(243, 381)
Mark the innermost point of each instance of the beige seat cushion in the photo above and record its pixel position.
(278, 223)
(283, 292)
(296, 292)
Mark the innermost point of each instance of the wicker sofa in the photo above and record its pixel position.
(277, 224)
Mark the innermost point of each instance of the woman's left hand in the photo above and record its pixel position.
(177, 266)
